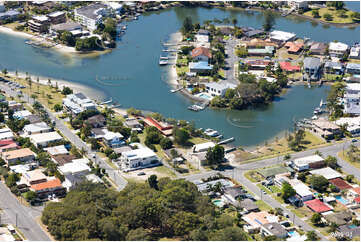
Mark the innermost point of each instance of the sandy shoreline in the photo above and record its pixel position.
(173, 77)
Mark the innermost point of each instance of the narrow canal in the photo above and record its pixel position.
(132, 76)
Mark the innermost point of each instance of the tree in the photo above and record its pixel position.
(152, 181)
(181, 136)
(269, 20)
(66, 90)
(312, 236)
(30, 195)
(58, 107)
(5, 71)
(319, 183)
(166, 143)
(138, 234)
(302, 176)
(241, 52)
(229, 234)
(331, 161)
(355, 15)
(234, 22)
(187, 25)
(316, 218)
(328, 17)
(349, 178)
(287, 191)
(67, 38)
(215, 155)
(270, 238)
(315, 13)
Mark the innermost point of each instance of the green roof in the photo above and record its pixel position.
(2, 97)
(267, 172)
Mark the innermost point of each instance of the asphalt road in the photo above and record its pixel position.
(25, 216)
(230, 61)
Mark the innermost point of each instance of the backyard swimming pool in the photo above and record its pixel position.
(204, 96)
(293, 233)
(218, 202)
(342, 200)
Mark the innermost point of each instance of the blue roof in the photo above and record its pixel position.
(202, 65)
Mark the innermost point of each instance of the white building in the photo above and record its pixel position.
(6, 133)
(139, 157)
(36, 128)
(355, 52)
(22, 114)
(218, 89)
(327, 173)
(281, 36)
(77, 103)
(298, 4)
(91, 15)
(353, 125)
(57, 150)
(302, 190)
(42, 140)
(203, 147)
(116, 7)
(308, 162)
(74, 172)
(337, 49)
(2, 7)
(351, 99)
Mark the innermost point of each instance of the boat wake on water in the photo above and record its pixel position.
(232, 122)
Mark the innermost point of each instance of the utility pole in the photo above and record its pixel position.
(16, 219)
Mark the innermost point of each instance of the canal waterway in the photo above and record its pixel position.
(131, 74)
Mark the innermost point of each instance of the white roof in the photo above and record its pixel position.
(300, 188)
(203, 146)
(57, 150)
(327, 173)
(20, 168)
(355, 121)
(141, 153)
(76, 166)
(115, 5)
(307, 160)
(6, 135)
(338, 46)
(109, 135)
(41, 18)
(353, 86)
(5, 130)
(37, 127)
(93, 178)
(56, 13)
(45, 137)
(22, 113)
(281, 35)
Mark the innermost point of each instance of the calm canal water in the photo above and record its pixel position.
(131, 75)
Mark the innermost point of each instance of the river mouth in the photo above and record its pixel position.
(130, 74)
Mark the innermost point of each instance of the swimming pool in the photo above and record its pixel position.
(342, 200)
(204, 96)
(218, 203)
(293, 233)
(352, 226)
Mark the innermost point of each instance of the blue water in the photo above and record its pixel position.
(218, 203)
(293, 233)
(205, 96)
(353, 5)
(352, 226)
(342, 200)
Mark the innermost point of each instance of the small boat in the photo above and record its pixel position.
(135, 18)
(164, 57)
(211, 132)
(163, 62)
(219, 136)
(317, 111)
(314, 117)
(173, 91)
(124, 27)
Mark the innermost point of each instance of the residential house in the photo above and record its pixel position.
(15, 106)
(340, 184)
(57, 150)
(255, 220)
(318, 48)
(204, 186)
(348, 232)
(91, 15)
(8, 144)
(120, 150)
(202, 37)
(113, 139)
(6, 133)
(165, 128)
(311, 68)
(33, 118)
(337, 49)
(355, 52)
(302, 190)
(281, 36)
(62, 159)
(333, 67)
(134, 124)
(32, 177)
(232, 194)
(266, 51)
(115, 7)
(326, 128)
(308, 162)
(57, 17)
(202, 147)
(327, 173)
(201, 54)
(77, 103)
(44, 139)
(68, 26)
(22, 114)
(36, 128)
(201, 67)
(258, 43)
(21, 155)
(96, 121)
(253, 33)
(39, 24)
(248, 205)
(293, 47)
(352, 125)
(137, 158)
(257, 64)
(340, 218)
(351, 99)
(218, 88)
(298, 4)
(48, 188)
(317, 206)
(288, 67)
(353, 68)
(274, 229)
(74, 172)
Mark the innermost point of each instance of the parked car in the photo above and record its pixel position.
(141, 174)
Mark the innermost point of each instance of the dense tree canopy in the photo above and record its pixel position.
(139, 212)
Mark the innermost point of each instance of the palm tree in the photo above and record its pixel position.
(234, 22)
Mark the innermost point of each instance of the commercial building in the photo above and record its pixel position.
(202, 147)
(39, 24)
(57, 17)
(36, 128)
(337, 49)
(91, 15)
(218, 88)
(44, 139)
(138, 158)
(308, 162)
(20, 155)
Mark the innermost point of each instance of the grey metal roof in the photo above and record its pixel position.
(90, 10)
(311, 63)
(276, 229)
(69, 26)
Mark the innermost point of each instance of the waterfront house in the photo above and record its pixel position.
(353, 68)
(202, 147)
(164, 128)
(77, 103)
(293, 47)
(308, 162)
(57, 17)
(333, 67)
(201, 67)
(44, 139)
(337, 49)
(9, 15)
(288, 67)
(6, 133)
(253, 33)
(298, 4)
(96, 121)
(257, 64)
(325, 128)
(274, 229)
(91, 15)
(137, 158)
(218, 88)
(355, 52)
(311, 68)
(36, 128)
(68, 26)
(201, 54)
(24, 155)
(258, 43)
(281, 36)
(39, 24)
(318, 48)
(351, 99)
(352, 125)
(317, 206)
(327, 173)
(133, 123)
(202, 36)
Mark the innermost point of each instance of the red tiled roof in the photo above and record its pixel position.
(340, 184)
(293, 47)
(357, 190)
(160, 126)
(47, 185)
(317, 206)
(288, 67)
(357, 200)
(201, 51)
(6, 142)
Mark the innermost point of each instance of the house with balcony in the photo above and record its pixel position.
(311, 69)
(39, 24)
(337, 49)
(91, 15)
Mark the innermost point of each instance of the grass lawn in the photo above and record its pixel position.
(182, 69)
(12, 25)
(165, 170)
(354, 61)
(253, 176)
(332, 77)
(262, 205)
(343, 156)
(197, 140)
(334, 13)
(301, 212)
(221, 73)
(313, 140)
